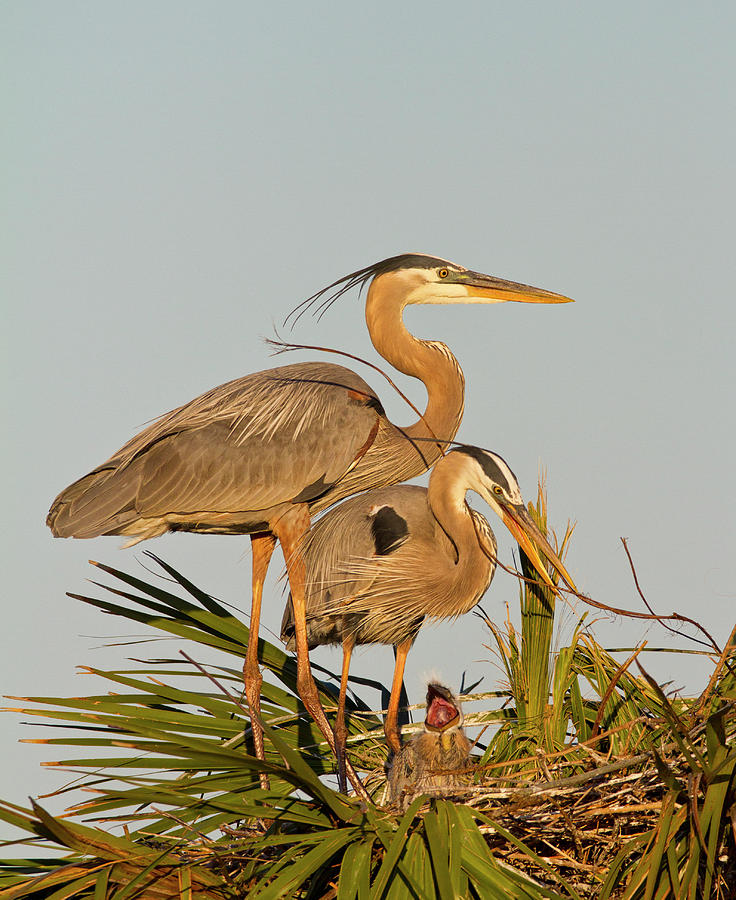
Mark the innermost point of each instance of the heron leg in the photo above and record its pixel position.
(262, 545)
(391, 725)
(290, 528)
(341, 732)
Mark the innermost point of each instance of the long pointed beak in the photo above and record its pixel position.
(522, 526)
(484, 288)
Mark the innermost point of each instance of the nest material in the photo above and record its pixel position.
(577, 824)
(574, 812)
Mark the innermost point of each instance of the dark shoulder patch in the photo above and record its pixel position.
(389, 530)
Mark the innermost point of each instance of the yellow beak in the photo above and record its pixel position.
(488, 287)
(522, 526)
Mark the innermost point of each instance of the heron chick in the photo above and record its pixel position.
(436, 761)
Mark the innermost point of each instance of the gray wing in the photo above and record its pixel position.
(283, 435)
(342, 554)
(366, 580)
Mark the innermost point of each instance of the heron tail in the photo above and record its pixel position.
(101, 502)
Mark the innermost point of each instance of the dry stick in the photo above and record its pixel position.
(537, 583)
(567, 750)
(608, 810)
(730, 645)
(609, 690)
(583, 777)
(630, 613)
(526, 794)
(188, 825)
(661, 619)
(565, 815)
(482, 732)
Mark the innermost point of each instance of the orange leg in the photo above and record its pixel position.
(391, 725)
(341, 732)
(290, 529)
(262, 545)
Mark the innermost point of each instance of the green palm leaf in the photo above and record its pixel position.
(173, 805)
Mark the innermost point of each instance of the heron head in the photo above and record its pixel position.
(420, 278)
(489, 475)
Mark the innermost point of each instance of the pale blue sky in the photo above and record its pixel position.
(180, 175)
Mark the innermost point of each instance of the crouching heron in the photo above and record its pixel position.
(381, 563)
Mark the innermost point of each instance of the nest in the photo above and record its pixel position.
(576, 824)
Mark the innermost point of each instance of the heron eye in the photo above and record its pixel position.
(497, 489)
(443, 273)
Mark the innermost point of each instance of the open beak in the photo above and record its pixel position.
(441, 709)
(522, 526)
(487, 287)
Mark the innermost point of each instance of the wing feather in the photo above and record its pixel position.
(343, 560)
(246, 446)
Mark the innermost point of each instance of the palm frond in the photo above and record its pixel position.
(594, 784)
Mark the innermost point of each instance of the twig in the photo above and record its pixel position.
(482, 732)
(286, 347)
(674, 616)
(730, 645)
(572, 749)
(583, 777)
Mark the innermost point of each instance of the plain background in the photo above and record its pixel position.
(178, 176)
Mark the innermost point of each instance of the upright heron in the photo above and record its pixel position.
(380, 563)
(261, 454)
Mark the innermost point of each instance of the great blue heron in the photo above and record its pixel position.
(380, 563)
(260, 454)
(436, 761)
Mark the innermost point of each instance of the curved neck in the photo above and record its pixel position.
(429, 361)
(446, 498)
